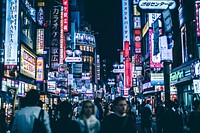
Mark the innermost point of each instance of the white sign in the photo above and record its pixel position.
(165, 53)
(152, 17)
(11, 35)
(197, 69)
(73, 59)
(125, 20)
(118, 70)
(157, 4)
(196, 85)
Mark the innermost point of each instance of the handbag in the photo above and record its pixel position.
(38, 126)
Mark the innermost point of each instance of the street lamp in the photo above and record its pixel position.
(118, 68)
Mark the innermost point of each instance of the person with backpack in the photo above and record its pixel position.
(24, 119)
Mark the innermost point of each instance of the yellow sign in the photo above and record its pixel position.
(145, 29)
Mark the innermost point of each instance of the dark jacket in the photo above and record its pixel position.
(116, 124)
(194, 121)
(64, 125)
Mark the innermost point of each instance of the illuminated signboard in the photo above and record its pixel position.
(51, 86)
(155, 61)
(156, 4)
(165, 53)
(137, 23)
(125, 20)
(127, 65)
(65, 16)
(157, 78)
(40, 41)
(40, 69)
(82, 38)
(11, 34)
(27, 63)
(198, 17)
(61, 56)
(152, 17)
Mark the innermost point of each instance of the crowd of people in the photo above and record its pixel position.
(96, 116)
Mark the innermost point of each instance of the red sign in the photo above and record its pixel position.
(65, 18)
(127, 65)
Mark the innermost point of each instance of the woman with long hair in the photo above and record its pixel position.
(87, 121)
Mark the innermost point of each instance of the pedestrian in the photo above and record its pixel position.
(98, 109)
(64, 122)
(3, 124)
(194, 118)
(23, 120)
(119, 121)
(158, 112)
(87, 121)
(146, 118)
(170, 120)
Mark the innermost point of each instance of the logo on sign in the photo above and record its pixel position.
(159, 5)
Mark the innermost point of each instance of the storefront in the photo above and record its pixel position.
(182, 84)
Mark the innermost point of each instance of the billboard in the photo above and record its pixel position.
(165, 52)
(128, 66)
(40, 69)
(196, 85)
(152, 17)
(155, 61)
(61, 57)
(157, 78)
(27, 62)
(40, 41)
(11, 34)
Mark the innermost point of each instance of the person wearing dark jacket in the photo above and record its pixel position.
(119, 121)
(64, 123)
(170, 120)
(194, 118)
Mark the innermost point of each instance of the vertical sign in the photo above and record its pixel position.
(55, 38)
(125, 20)
(40, 69)
(154, 59)
(156, 37)
(61, 59)
(198, 17)
(65, 17)
(126, 40)
(11, 35)
(127, 65)
(40, 41)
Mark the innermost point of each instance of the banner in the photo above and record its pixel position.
(11, 34)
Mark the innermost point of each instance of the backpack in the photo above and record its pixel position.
(38, 126)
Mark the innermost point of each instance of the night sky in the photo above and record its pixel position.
(105, 16)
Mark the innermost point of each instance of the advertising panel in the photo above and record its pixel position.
(27, 62)
(167, 20)
(152, 17)
(82, 38)
(11, 34)
(65, 17)
(61, 58)
(155, 61)
(196, 85)
(55, 38)
(125, 20)
(157, 78)
(137, 41)
(157, 4)
(127, 65)
(165, 53)
(40, 69)
(137, 22)
(197, 4)
(51, 86)
(40, 41)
